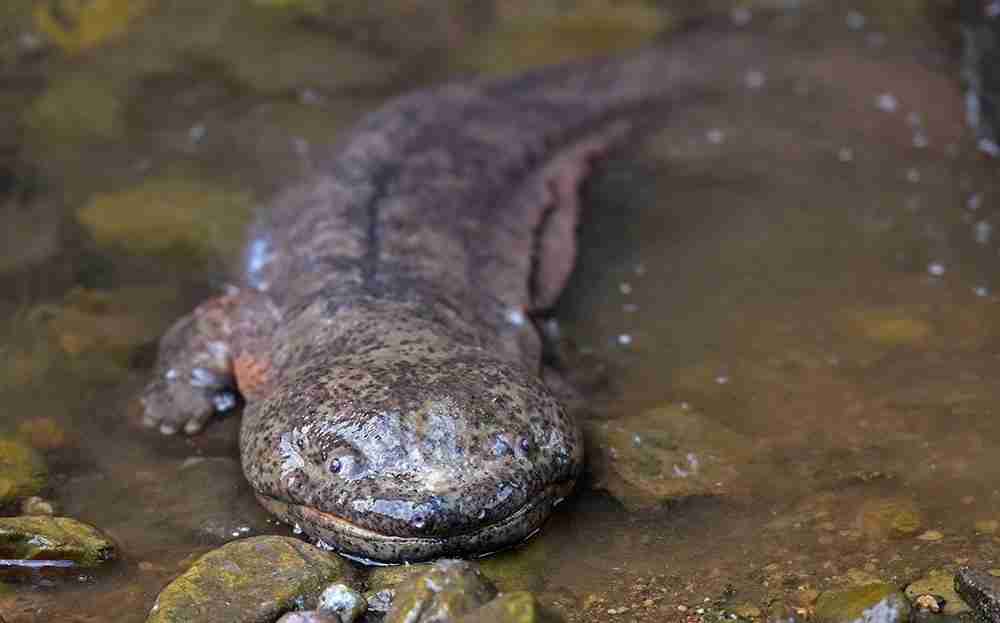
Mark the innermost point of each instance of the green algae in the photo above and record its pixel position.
(54, 538)
(170, 214)
(252, 580)
(22, 470)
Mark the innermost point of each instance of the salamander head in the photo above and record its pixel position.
(390, 456)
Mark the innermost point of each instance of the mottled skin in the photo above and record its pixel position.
(394, 405)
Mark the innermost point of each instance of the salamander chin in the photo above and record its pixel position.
(370, 546)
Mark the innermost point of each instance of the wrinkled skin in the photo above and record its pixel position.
(394, 405)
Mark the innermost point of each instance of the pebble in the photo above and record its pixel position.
(343, 601)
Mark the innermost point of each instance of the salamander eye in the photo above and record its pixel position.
(525, 444)
(345, 462)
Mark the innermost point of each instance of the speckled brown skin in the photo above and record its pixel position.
(394, 406)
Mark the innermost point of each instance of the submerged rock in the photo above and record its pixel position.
(443, 592)
(79, 26)
(170, 215)
(532, 34)
(981, 590)
(516, 607)
(54, 538)
(22, 471)
(665, 454)
(892, 518)
(941, 585)
(252, 581)
(871, 603)
(74, 110)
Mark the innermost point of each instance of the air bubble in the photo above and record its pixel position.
(886, 102)
(936, 269)
(516, 317)
(715, 136)
(624, 339)
(754, 79)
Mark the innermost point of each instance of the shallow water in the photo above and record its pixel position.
(809, 262)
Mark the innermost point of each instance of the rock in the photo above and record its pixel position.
(110, 324)
(532, 34)
(665, 454)
(35, 505)
(981, 591)
(894, 518)
(938, 583)
(42, 433)
(74, 110)
(518, 569)
(170, 214)
(443, 592)
(871, 603)
(309, 616)
(79, 26)
(251, 580)
(981, 72)
(343, 601)
(895, 326)
(22, 471)
(516, 607)
(30, 233)
(54, 538)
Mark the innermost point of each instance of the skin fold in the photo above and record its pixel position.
(379, 334)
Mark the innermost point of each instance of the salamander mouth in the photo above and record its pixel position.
(372, 547)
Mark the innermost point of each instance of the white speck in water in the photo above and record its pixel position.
(636, 440)
(855, 20)
(624, 339)
(935, 269)
(722, 379)
(886, 102)
(754, 79)
(170, 374)
(875, 39)
(197, 132)
(982, 232)
(516, 317)
(988, 147)
(912, 176)
(625, 288)
(981, 291)
(685, 406)
(715, 136)
(920, 140)
(630, 308)
(974, 201)
(740, 15)
(845, 154)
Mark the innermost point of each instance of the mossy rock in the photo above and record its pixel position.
(892, 518)
(22, 470)
(871, 603)
(535, 34)
(665, 454)
(939, 583)
(253, 580)
(170, 214)
(519, 569)
(443, 591)
(77, 108)
(76, 26)
(515, 607)
(54, 538)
